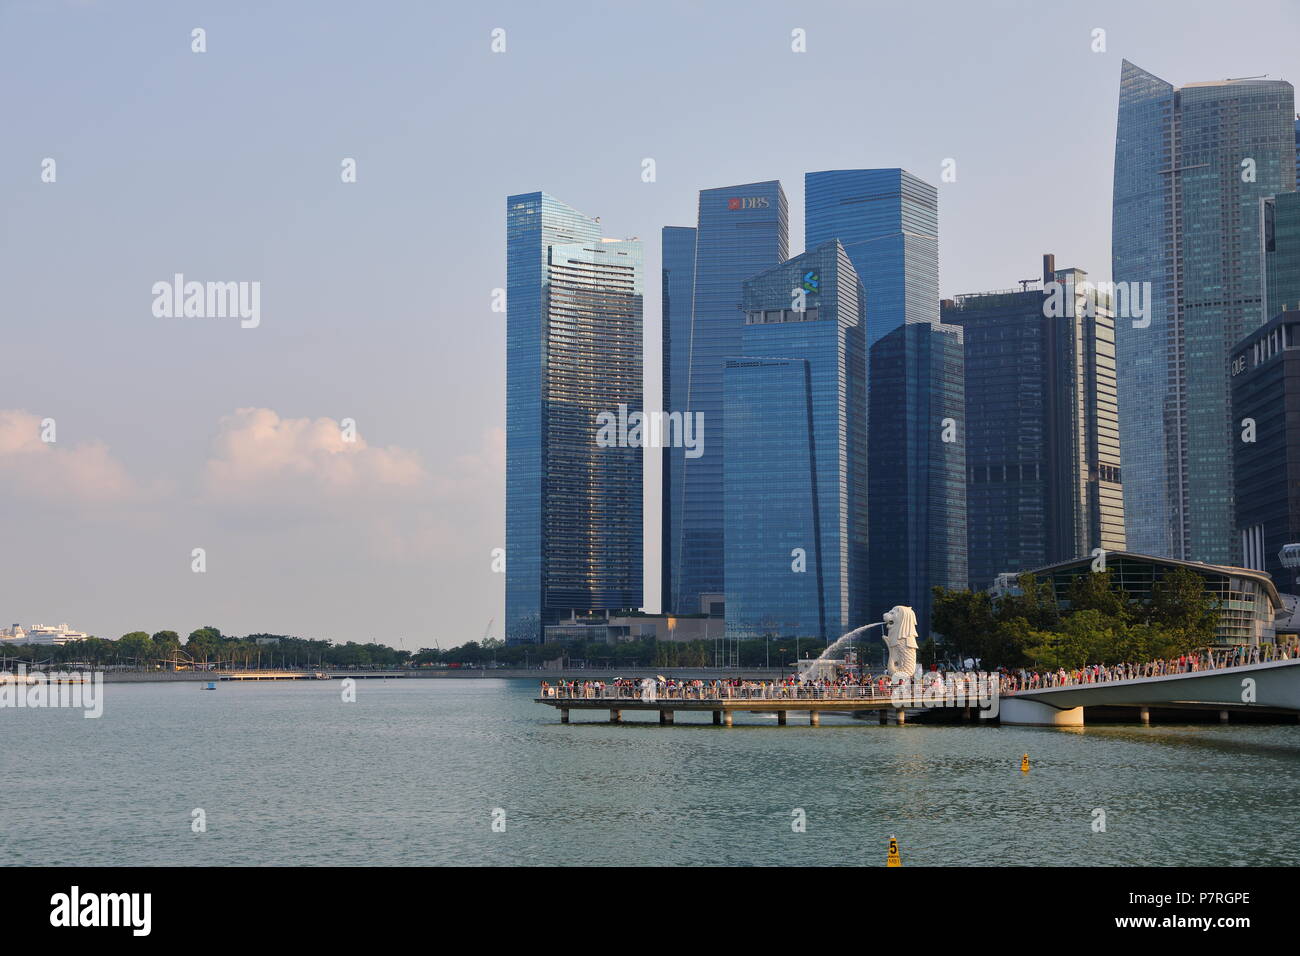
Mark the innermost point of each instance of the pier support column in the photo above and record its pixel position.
(665, 716)
(726, 717)
(884, 716)
(814, 718)
(900, 716)
(965, 714)
(1144, 715)
(1223, 716)
(615, 716)
(1014, 710)
(717, 717)
(780, 718)
(564, 715)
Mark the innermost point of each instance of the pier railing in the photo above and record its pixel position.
(708, 692)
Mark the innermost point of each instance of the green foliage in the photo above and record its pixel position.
(1102, 624)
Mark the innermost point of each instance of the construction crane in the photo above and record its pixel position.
(487, 630)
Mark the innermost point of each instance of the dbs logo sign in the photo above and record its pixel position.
(749, 202)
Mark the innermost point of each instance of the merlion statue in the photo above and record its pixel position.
(900, 638)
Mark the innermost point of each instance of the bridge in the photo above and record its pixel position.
(1271, 687)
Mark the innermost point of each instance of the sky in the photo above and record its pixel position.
(172, 434)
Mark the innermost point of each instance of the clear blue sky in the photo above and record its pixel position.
(376, 295)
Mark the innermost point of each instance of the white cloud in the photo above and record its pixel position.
(78, 474)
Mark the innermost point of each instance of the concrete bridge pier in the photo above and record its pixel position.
(1030, 713)
(726, 718)
(564, 715)
(814, 718)
(717, 717)
(900, 716)
(1144, 715)
(665, 716)
(884, 716)
(780, 718)
(1223, 716)
(615, 716)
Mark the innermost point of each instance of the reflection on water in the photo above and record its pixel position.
(411, 772)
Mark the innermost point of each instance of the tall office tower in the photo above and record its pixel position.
(1042, 424)
(573, 352)
(795, 465)
(1191, 166)
(1266, 452)
(917, 486)
(678, 288)
(1281, 243)
(888, 222)
(742, 230)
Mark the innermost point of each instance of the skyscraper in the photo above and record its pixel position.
(887, 221)
(1266, 410)
(796, 458)
(917, 486)
(677, 292)
(573, 353)
(1191, 166)
(1281, 242)
(741, 231)
(1042, 424)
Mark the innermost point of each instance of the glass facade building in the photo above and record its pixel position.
(573, 352)
(917, 483)
(1247, 600)
(888, 222)
(1042, 425)
(1192, 165)
(1266, 391)
(795, 462)
(741, 231)
(1281, 241)
(676, 293)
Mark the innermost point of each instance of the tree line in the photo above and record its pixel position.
(1101, 624)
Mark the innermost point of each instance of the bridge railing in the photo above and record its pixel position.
(1097, 674)
(778, 692)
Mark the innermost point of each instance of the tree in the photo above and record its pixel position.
(1181, 607)
(1096, 591)
(137, 645)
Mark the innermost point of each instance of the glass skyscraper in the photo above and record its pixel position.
(917, 485)
(741, 231)
(1192, 165)
(1042, 425)
(573, 352)
(1281, 238)
(677, 292)
(795, 464)
(888, 223)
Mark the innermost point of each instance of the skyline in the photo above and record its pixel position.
(178, 436)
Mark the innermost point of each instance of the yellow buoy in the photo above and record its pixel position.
(1024, 764)
(893, 859)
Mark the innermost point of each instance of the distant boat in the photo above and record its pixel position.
(212, 685)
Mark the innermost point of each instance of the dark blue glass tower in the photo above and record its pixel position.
(741, 231)
(573, 352)
(796, 458)
(887, 221)
(678, 288)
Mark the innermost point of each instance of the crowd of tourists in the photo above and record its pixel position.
(867, 686)
(1021, 679)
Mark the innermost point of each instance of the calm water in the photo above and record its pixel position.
(411, 772)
